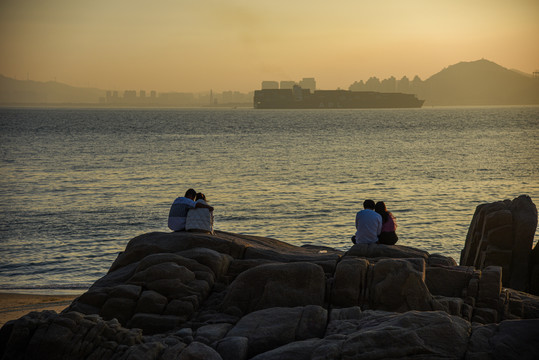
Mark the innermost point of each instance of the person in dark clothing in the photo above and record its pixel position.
(388, 236)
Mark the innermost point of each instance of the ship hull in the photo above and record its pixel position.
(332, 99)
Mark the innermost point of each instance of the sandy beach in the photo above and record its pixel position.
(13, 306)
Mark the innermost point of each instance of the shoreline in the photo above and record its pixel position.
(14, 305)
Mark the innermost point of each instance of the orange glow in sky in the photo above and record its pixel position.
(180, 45)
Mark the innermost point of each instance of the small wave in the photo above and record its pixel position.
(45, 287)
(240, 218)
(48, 290)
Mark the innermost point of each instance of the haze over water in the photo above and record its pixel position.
(196, 46)
(77, 184)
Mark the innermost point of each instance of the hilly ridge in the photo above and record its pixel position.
(14, 91)
(480, 82)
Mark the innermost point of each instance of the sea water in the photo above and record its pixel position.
(77, 184)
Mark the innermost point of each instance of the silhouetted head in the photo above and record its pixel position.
(200, 196)
(368, 204)
(191, 194)
(380, 208)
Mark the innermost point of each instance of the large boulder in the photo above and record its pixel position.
(524, 214)
(508, 340)
(160, 287)
(350, 282)
(387, 284)
(426, 334)
(501, 234)
(277, 285)
(411, 335)
(397, 286)
(271, 328)
(448, 281)
(230, 296)
(277, 333)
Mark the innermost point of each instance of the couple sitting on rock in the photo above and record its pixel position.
(191, 213)
(374, 224)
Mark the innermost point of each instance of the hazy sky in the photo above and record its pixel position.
(197, 45)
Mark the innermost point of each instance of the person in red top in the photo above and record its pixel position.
(388, 236)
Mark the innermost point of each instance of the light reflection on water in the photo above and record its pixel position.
(76, 185)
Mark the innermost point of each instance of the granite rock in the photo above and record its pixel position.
(277, 285)
(501, 234)
(231, 296)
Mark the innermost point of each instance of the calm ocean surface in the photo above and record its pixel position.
(76, 185)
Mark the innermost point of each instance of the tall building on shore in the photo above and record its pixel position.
(305, 83)
(268, 85)
(308, 83)
(287, 84)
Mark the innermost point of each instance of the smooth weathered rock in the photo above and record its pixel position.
(527, 304)
(214, 260)
(234, 300)
(484, 315)
(350, 281)
(233, 348)
(353, 312)
(525, 223)
(373, 251)
(382, 335)
(161, 258)
(154, 323)
(298, 350)
(173, 352)
(440, 260)
(397, 286)
(126, 291)
(448, 281)
(512, 339)
(534, 270)
(279, 326)
(151, 302)
(168, 270)
(451, 305)
(150, 350)
(47, 335)
(237, 266)
(153, 243)
(490, 287)
(501, 234)
(209, 334)
(95, 297)
(119, 308)
(278, 256)
(199, 351)
(180, 308)
(277, 285)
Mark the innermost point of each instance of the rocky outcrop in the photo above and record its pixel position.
(501, 234)
(229, 296)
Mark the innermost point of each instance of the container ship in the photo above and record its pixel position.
(298, 98)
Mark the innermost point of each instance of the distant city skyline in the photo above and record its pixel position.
(190, 46)
(480, 82)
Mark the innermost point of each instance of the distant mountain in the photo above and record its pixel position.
(480, 82)
(13, 92)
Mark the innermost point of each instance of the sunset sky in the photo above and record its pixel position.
(180, 45)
